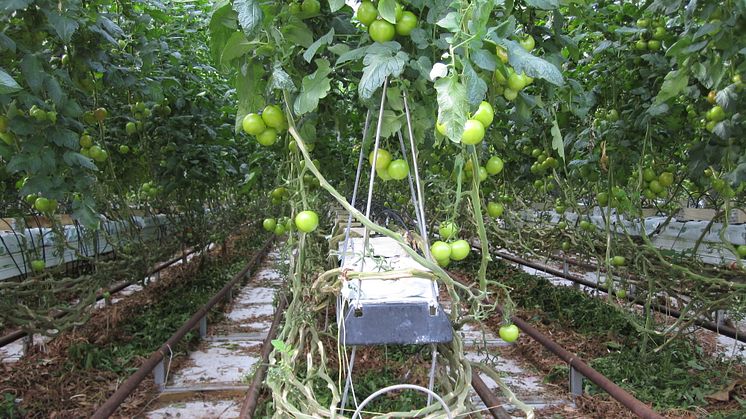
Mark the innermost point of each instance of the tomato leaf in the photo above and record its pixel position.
(381, 61)
(280, 79)
(558, 143)
(394, 98)
(324, 40)
(533, 66)
(222, 26)
(352, 55)
(484, 59)
(83, 212)
(450, 22)
(476, 88)
(543, 4)
(313, 88)
(33, 72)
(249, 87)
(391, 123)
(63, 25)
(452, 106)
(387, 10)
(298, 33)
(249, 15)
(236, 46)
(13, 5)
(8, 83)
(674, 82)
(76, 159)
(727, 97)
(335, 5)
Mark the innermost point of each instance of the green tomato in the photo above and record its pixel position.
(381, 31)
(398, 169)
(473, 132)
(273, 117)
(253, 124)
(654, 45)
(516, 82)
(716, 114)
(494, 165)
(406, 24)
(665, 179)
(267, 137)
(42, 204)
(482, 173)
(130, 128)
(384, 174)
(383, 159)
(618, 261)
(447, 230)
(510, 94)
(527, 42)
(440, 250)
(502, 53)
(307, 221)
(124, 149)
(366, 13)
(648, 174)
(655, 186)
(509, 333)
(602, 198)
(484, 114)
(269, 224)
(279, 229)
(460, 250)
(310, 7)
(495, 210)
(38, 265)
(641, 45)
(741, 249)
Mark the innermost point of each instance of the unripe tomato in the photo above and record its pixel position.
(130, 128)
(494, 165)
(655, 186)
(654, 45)
(473, 132)
(460, 250)
(440, 128)
(741, 249)
(85, 141)
(516, 82)
(641, 45)
(100, 114)
(124, 149)
(711, 96)
(440, 250)
(509, 333)
(381, 31)
(253, 124)
(484, 114)
(495, 210)
(618, 261)
(273, 117)
(398, 169)
(38, 265)
(502, 54)
(366, 13)
(310, 7)
(406, 24)
(510, 94)
(307, 221)
(279, 229)
(665, 179)
(42, 204)
(527, 42)
(267, 137)
(383, 159)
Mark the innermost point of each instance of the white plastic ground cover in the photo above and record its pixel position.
(42, 242)
(677, 236)
(386, 255)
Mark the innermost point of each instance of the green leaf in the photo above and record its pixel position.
(280, 79)
(382, 60)
(236, 46)
(249, 86)
(387, 10)
(249, 15)
(353, 55)
(674, 82)
(484, 60)
(394, 98)
(335, 5)
(222, 26)
(64, 137)
(298, 33)
(450, 22)
(54, 91)
(391, 123)
(543, 4)
(7, 83)
(476, 88)
(324, 40)
(83, 212)
(313, 88)
(533, 66)
(727, 97)
(33, 72)
(13, 5)
(76, 159)
(452, 106)
(558, 143)
(63, 25)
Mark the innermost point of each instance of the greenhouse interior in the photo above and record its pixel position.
(355, 209)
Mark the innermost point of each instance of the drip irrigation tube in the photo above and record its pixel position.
(18, 334)
(728, 331)
(252, 396)
(116, 399)
(637, 407)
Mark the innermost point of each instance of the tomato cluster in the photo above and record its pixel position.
(380, 29)
(387, 168)
(444, 251)
(265, 126)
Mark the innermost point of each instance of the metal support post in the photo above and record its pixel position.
(431, 383)
(203, 327)
(348, 382)
(576, 382)
(720, 318)
(159, 375)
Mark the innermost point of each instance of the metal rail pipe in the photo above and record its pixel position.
(129, 385)
(488, 397)
(637, 407)
(18, 334)
(252, 396)
(724, 330)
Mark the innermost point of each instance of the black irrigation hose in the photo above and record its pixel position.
(728, 331)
